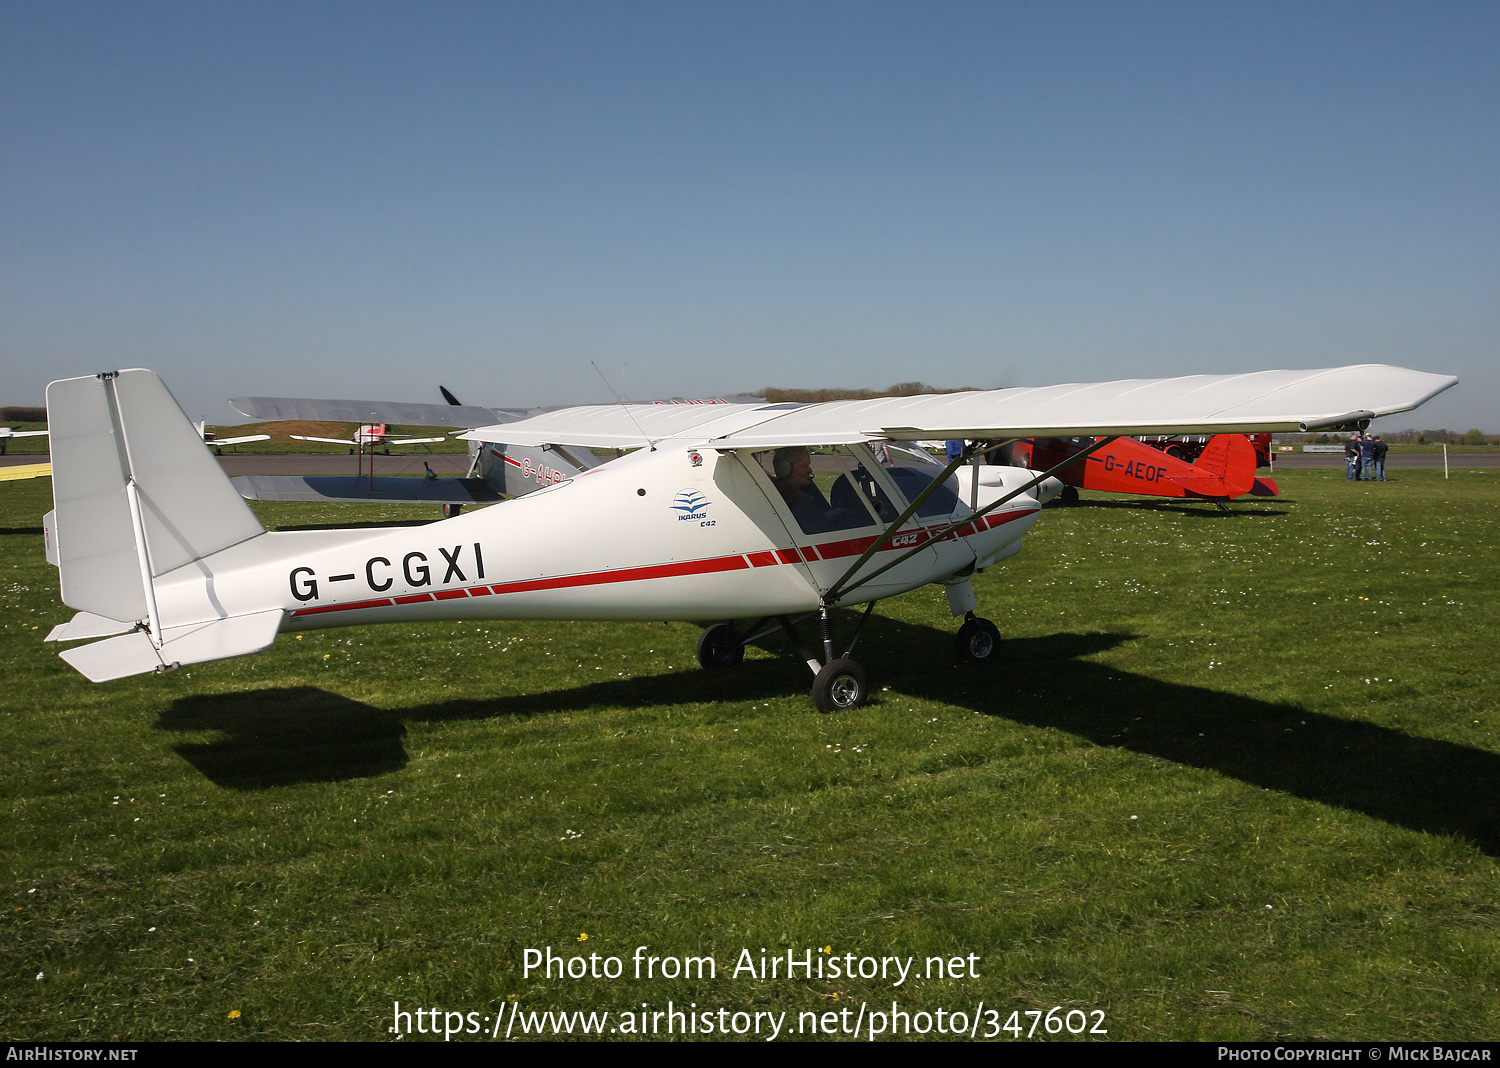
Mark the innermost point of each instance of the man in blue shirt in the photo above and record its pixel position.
(1367, 458)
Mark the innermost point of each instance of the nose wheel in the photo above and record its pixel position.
(840, 686)
(977, 641)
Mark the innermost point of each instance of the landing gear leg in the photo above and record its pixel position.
(838, 682)
(977, 641)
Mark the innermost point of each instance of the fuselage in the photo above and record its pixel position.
(678, 532)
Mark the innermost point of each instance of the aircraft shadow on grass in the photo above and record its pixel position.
(1199, 508)
(303, 734)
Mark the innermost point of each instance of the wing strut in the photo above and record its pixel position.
(839, 589)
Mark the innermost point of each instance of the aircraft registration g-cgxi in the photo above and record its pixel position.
(717, 517)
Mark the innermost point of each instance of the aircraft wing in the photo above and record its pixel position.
(331, 441)
(361, 490)
(396, 413)
(237, 441)
(1295, 401)
(402, 413)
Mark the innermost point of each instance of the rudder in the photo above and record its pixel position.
(116, 436)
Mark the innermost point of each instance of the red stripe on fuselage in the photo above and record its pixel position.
(384, 602)
(828, 550)
(627, 574)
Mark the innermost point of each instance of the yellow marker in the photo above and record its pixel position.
(20, 471)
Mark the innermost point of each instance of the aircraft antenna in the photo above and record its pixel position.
(649, 442)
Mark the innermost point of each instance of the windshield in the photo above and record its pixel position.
(913, 470)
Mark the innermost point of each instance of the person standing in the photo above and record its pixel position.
(1381, 448)
(1367, 458)
(1351, 458)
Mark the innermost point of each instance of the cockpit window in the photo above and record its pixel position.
(913, 470)
(826, 489)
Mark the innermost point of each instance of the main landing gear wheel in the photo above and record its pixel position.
(719, 647)
(840, 686)
(977, 641)
(1069, 495)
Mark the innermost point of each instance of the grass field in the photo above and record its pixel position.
(1235, 777)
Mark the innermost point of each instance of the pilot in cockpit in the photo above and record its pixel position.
(793, 471)
(793, 478)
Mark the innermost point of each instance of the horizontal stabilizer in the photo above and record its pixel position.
(352, 488)
(133, 653)
(87, 625)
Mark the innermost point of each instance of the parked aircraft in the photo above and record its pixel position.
(718, 517)
(216, 443)
(1223, 470)
(6, 433)
(367, 436)
(496, 470)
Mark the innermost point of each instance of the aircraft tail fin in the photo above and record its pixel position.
(135, 495)
(1225, 467)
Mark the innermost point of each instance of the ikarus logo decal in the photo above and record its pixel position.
(689, 504)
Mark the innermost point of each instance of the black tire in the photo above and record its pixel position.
(840, 686)
(1069, 495)
(719, 647)
(977, 641)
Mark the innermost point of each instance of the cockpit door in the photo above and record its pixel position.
(835, 504)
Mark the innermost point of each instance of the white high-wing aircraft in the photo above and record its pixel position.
(717, 517)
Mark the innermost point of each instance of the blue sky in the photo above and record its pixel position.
(371, 199)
